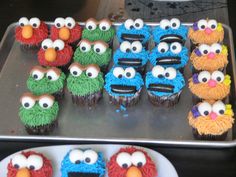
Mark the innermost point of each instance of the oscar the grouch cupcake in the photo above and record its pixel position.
(211, 121)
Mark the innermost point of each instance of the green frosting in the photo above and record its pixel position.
(83, 85)
(98, 34)
(39, 87)
(37, 116)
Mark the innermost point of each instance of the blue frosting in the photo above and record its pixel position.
(183, 55)
(177, 82)
(98, 167)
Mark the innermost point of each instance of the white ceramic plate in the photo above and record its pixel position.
(57, 153)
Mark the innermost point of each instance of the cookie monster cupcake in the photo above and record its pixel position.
(131, 55)
(97, 52)
(170, 31)
(85, 83)
(31, 164)
(86, 162)
(38, 113)
(123, 86)
(46, 81)
(164, 86)
(209, 58)
(211, 121)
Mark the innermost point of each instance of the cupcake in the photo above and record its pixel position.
(210, 58)
(210, 86)
(131, 162)
(55, 53)
(131, 55)
(67, 30)
(123, 86)
(211, 121)
(134, 30)
(85, 83)
(169, 55)
(206, 32)
(31, 164)
(38, 113)
(170, 31)
(46, 81)
(31, 32)
(164, 86)
(97, 52)
(87, 162)
(98, 30)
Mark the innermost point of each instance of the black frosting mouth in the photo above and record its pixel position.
(169, 38)
(168, 60)
(132, 37)
(130, 61)
(79, 174)
(123, 89)
(161, 88)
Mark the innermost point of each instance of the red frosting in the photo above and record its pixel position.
(114, 170)
(45, 171)
(39, 34)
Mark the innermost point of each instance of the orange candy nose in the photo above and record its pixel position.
(64, 33)
(50, 55)
(24, 172)
(134, 172)
(27, 32)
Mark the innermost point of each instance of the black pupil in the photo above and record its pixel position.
(213, 26)
(203, 26)
(120, 76)
(31, 167)
(174, 47)
(218, 79)
(167, 27)
(22, 24)
(134, 48)
(140, 164)
(205, 51)
(35, 76)
(69, 24)
(217, 51)
(75, 72)
(83, 48)
(45, 105)
(97, 50)
(167, 74)
(160, 76)
(127, 50)
(137, 25)
(163, 50)
(56, 48)
(124, 165)
(45, 47)
(174, 25)
(128, 74)
(90, 27)
(58, 25)
(87, 159)
(26, 105)
(221, 112)
(77, 161)
(34, 25)
(103, 28)
(204, 79)
(16, 166)
(49, 77)
(206, 113)
(89, 74)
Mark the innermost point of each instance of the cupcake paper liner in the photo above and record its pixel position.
(59, 95)
(209, 137)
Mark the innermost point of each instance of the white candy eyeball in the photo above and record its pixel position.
(129, 24)
(138, 23)
(34, 162)
(136, 47)
(47, 43)
(138, 159)
(170, 73)
(174, 23)
(219, 108)
(104, 26)
(92, 72)
(204, 49)
(84, 46)
(52, 75)
(118, 72)
(202, 24)
(204, 76)
(37, 75)
(130, 72)
(59, 22)
(27, 102)
(69, 22)
(76, 156)
(90, 157)
(46, 102)
(34, 22)
(204, 108)
(176, 47)
(91, 25)
(216, 48)
(58, 45)
(123, 159)
(23, 21)
(163, 47)
(212, 24)
(125, 46)
(75, 71)
(99, 48)
(158, 71)
(218, 76)
(19, 161)
(165, 24)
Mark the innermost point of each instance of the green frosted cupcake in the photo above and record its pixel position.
(38, 113)
(85, 83)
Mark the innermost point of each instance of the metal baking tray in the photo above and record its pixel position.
(141, 124)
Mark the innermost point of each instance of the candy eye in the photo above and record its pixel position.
(204, 49)
(59, 22)
(218, 108)
(125, 46)
(216, 48)
(46, 102)
(158, 71)
(138, 23)
(118, 72)
(91, 25)
(212, 24)
(99, 48)
(84, 47)
(75, 71)
(52, 75)
(37, 75)
(19, 161)
(204, 108)
(162, 47)
(130, 72)
(76, 156)
(27, 102)
(136, 47)
(170, 73)
(70, 22)
(123, 159)
(218, 76)
(90, 157)
(165, 24)
(23, 21)
(34, 162)
(174, 23)
(34, 22)
(104, 26)
(47, 43)
(175, 47)
(58, 44)
(138, 159)
(202, 24)
(129, 24)
(92, 72)
(204, 76)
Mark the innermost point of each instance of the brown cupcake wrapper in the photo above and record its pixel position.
(209, 137)
(59, 95)
(30, 48)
